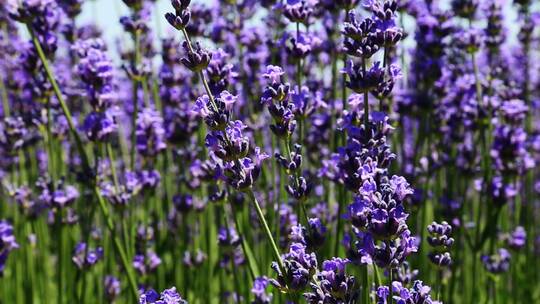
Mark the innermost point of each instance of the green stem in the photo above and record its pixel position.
(252, 264)
(269, 236)
(4, 95)
(390, 298)
(135, 83)
(344, 79)
(385, 63)
(339, 228)
(376, 274)
(439, 285)
(299, 63)
(117, 243)
(110, 154)
(60, 261)
(365, 288)
(478, 85)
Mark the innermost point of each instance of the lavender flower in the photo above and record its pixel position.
(509, 152)
(44, 18)
(146, 263)
(96, 72)
(112, 287)
(229, 241)
(498, 262)
(259, 291)
(57, 195)
(299, 265)
(276, 97)
(197, 58)
(167, 296)
(298, 11)
(13, 134)
(216, 113)
(7, 243)
(333, 284)
(465, 8)
(405, 275)
(181, 16)
(517, 239)
(99, 126)
(84, 257)
(150, 133)
(440, 240)
(417, 294)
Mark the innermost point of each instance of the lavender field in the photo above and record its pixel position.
(270, 151)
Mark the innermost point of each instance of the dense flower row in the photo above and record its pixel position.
(299, 151)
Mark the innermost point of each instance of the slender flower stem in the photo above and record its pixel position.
(376, 274)
(344, 79)
(124, 219)
(299, 63)
(84, 157)
(61, 257)
(341, 188)
(439, 285)
(478, 85)
(342, 194)
(4, 96)
(135, 83)
(385, 64)
(117, 244)
(390, 298)
(3, 89)
(267, 231)
(252, 265)
(51, 159)
(365, 281)
(110, 154)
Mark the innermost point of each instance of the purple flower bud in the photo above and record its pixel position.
(273, 73)
(84, 257)
(112, 287)
(298, 11)
(197, 58)
(497, 263)
(99, 126)
(150, 132)
(299, 267)
(179, 20)
(259, 291)
(517, 238)
(334, 285)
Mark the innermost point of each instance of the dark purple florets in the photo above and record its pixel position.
(441, 241)
(299, 267)
(333, 284)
